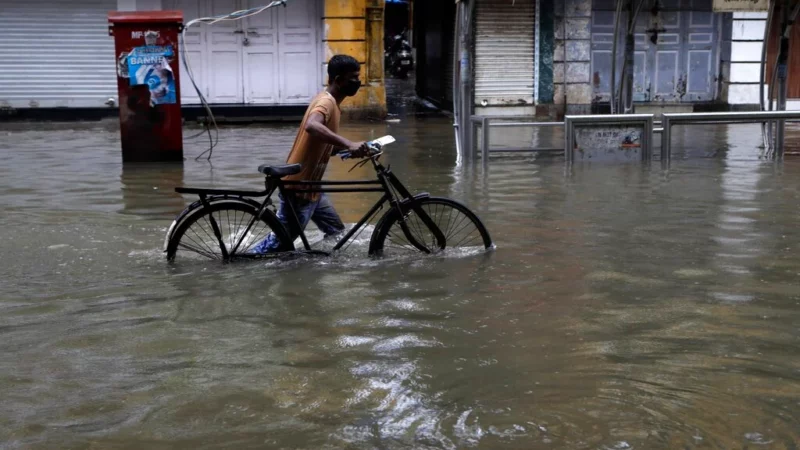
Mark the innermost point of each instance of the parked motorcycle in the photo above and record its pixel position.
(398, 58)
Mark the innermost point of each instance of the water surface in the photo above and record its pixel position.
(626, 306)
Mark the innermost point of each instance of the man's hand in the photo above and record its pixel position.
(358, 149)
(315, 126)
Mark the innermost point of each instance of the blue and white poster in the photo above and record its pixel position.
(149, 65)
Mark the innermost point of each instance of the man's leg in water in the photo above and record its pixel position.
(326, 218)
(304, 210)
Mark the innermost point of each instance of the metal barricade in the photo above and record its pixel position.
(668, 120)
(485, 123)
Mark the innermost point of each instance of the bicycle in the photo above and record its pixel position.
(227, 224)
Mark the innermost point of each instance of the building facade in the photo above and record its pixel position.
(56, 54)
(551, 57)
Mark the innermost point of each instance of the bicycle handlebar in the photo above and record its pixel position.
(374, 149)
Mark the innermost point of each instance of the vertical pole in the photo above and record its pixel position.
(763, 75)
(569, 139)
(627, 95)
(614, 39)
(458, 122)
(465, 69)
(666, 138)
(473, 138)
(783, 57)
(485, 140)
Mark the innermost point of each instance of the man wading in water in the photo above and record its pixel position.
(316, 142)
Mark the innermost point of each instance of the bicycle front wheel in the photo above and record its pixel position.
(461, 228)
(204, 233)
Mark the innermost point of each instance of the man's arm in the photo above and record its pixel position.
(315, 126)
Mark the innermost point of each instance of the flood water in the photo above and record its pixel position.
(626, 305)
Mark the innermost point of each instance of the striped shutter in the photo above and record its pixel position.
(504, 52)
(56, 53)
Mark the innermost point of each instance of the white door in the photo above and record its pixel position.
(297, 25)
(225, 56)
(677, 48)
(270, 58)
(261, 70)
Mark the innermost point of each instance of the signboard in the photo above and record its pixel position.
(740, 5)
(609, 143)
(610, 137)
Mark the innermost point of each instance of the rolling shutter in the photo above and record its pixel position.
(56, 53)
(504, 52)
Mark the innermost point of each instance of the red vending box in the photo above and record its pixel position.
(148, 83)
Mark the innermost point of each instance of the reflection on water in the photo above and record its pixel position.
(626, 306)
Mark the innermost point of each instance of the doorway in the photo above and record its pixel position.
(676, 57)
(398, 24)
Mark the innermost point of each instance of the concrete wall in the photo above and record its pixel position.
(572, 56)
(355, 27)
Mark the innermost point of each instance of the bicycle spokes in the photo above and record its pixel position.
(215, 235)
(435, 225)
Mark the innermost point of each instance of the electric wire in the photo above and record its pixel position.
(210, 119)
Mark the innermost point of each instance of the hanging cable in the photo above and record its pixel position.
(236, 15)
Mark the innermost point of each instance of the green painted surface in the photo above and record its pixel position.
(546, 48)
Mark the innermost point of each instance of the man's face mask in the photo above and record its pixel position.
(351, 87)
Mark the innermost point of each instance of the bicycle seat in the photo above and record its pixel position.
(280, 171)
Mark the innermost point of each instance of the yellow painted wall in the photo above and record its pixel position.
(355, 28)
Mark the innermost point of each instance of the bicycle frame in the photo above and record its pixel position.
(394, 192)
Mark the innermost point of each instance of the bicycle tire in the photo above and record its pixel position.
(232, 218)
(461, 227)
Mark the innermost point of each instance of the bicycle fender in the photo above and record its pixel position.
(441, 239)
(404, 204)
(408, 204)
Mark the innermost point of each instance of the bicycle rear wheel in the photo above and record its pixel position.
(462, 230)
(196, 237)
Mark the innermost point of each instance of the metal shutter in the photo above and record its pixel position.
(56, 53)
(504, 52)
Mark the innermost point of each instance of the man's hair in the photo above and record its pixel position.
(341, 65)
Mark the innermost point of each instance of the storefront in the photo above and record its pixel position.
(505, 56)
(58, 54)
(676, 53)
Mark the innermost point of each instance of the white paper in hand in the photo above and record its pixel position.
(384, 141)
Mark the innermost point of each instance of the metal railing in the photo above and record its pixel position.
(668, 120)
(486, 123)
(651, 127)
